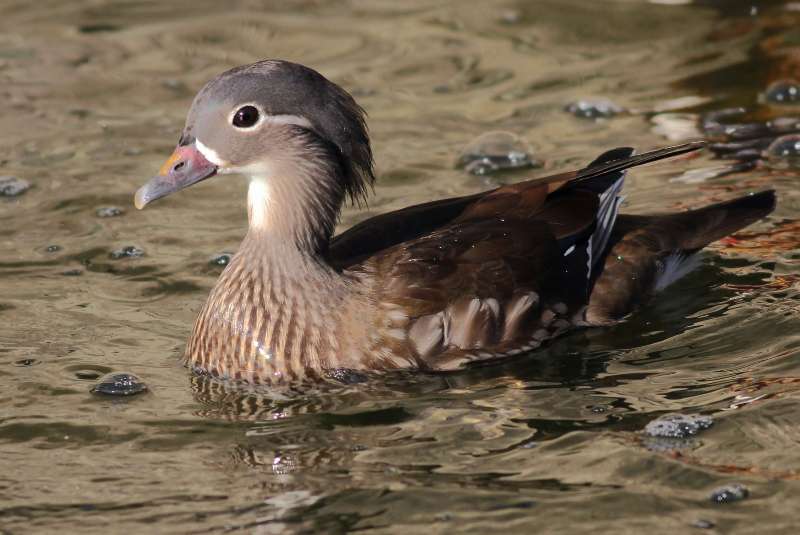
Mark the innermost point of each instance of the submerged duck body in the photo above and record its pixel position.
(436, 286)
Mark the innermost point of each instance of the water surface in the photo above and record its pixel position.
(94, 95)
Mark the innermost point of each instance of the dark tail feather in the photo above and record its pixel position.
(616, 160)
(601, 183)
(648, 252)
(620, 153)
(710, 223)
(607, 164)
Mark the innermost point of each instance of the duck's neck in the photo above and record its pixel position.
(294, 206)
(285, 249)
(289, 231)
(275, 311)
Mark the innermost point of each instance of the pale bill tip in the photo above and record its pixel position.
(140, 199)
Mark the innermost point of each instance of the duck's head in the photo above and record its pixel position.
(294, 133)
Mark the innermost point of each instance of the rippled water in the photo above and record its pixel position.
(93, 97)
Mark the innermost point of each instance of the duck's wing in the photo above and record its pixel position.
(512, 268)
(469, 291)
(385, 231)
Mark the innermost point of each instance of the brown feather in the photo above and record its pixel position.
(640, 245)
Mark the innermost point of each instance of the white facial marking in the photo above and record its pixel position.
(209, 153)
(257, 201)
(289, 119)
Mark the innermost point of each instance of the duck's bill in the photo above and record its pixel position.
(185, 167)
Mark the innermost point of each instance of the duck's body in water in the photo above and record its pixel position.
(435, 286)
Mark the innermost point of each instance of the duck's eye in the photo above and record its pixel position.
(245, 117)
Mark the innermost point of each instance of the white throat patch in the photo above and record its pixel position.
(257, 202)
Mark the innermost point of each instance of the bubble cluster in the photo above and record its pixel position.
(783, 92)
(677, 426)
(109, 211)
(598, 108)
(11, 186)
(129, 251)
(730, 493)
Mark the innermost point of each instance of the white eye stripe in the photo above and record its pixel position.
(208, 153)
(289, 119)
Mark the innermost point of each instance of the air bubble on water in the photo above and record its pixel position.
(347, 376)
(119, 384)
(784, 152)
(730, 493)
(702, 523)
(496, 151)
(677, 426)
(109, 211)
(221, 259)
(783, 92)
(129, 251)
(11, 186)
(594, 108)
(674, 432)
